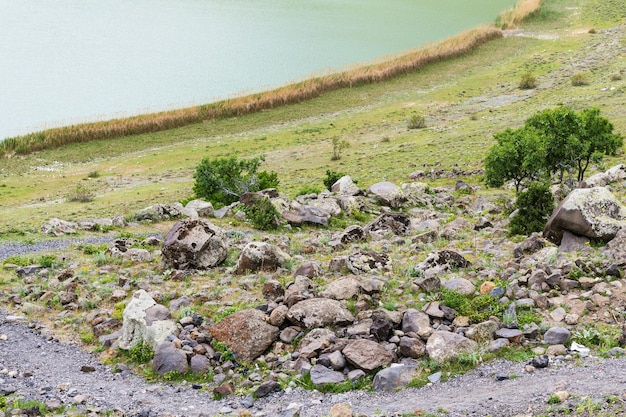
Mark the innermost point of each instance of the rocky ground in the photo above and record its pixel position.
(57, 373)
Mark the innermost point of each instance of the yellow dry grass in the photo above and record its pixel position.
(515, 16)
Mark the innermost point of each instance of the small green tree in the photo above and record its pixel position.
(338, 147)
(223, 180)
(517, 156)
(561, 128)
(535, 206)
(598, 139)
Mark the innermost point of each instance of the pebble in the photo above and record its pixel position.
(3, 337)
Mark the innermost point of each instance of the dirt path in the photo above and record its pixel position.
(44, 370)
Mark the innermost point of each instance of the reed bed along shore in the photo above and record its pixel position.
(453, 47)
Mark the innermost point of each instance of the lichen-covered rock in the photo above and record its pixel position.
(591, 212)
(260, 256)
(616, 249)
(342, 289)
(145, 322)
(367, 262)
(396, 223)
(367, 354)
(613, 174)
(194, 244)
(345, 186)
(319, 312)
(58, 227)
(203, 208)
(246, 332)
(159, 212)
(444, 345)
(388, 194)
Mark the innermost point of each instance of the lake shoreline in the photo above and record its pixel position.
(310, 88)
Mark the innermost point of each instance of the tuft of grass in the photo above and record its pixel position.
(580, 79)
(528, 81)
(81, 194)
(416, 121)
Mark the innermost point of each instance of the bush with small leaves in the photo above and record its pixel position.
(534, 205)
(81, 194)
(262, 214)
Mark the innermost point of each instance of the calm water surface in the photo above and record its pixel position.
(70, 61)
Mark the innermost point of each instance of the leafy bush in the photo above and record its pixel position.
(46, 261)
(332, 177)
(477, 308)
(139, 352)
(262, 214)
(528, 81)
(417, 121)
(534, 205)
(223, 180)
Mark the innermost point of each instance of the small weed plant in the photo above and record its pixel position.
(528, 81)
(81, 194)
(139, 353)
(416, 121)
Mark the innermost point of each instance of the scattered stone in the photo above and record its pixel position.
(194, 244)
(265, 389)
(367, 262)
(340, 410)
(388, 194)
(556, 336)
(319, 312)
(246, 332)
(367, 355)
(260, 256)
(444, 345)
(541, 361)
(167, 358)
(321, 375)
(395, 377)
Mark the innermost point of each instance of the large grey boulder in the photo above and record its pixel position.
(393, 378)
(246, 332)
(613, 174)
(194, 244)
(321, 375)
(416, 322)
(367, 354)
(556, 336)
(168, 358)
(444, 345)
(592, 212)
(388, 194)
(319, 312)
(345, 186)
(342, 289)
(203, 208)
(616, 249)
(260, 256)
(145, 321)
(58, 227)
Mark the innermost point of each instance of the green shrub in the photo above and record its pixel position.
(46, 261)
(535, 206)
(222, 180)
(139, 353)
(417, 121)
(332, 177)
(262, 214)
(528, 81)
(478, 308)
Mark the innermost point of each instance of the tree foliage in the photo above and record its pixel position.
(223, 180)
(534, 206)
(559, 140)
(518, 156)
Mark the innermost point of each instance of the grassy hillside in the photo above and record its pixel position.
(465, 100)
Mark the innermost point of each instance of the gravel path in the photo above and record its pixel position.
(44, 370)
